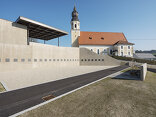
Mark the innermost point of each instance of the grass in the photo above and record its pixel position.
(2, 89)
(106, 98)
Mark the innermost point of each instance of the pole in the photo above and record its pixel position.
(27, 36)
(58, 41)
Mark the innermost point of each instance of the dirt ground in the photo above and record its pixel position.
(107, 98)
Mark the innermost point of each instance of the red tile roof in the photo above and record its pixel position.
(100, 38)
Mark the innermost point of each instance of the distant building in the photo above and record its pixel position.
(99, 42)
(147, 56)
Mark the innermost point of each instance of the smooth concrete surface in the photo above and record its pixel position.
(15, 57)
(143, 69)
(89, 58)
(29, 77)
(12, 33)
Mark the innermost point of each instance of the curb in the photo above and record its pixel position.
(5, 87)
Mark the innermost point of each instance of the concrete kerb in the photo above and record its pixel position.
(5, 86)
(36, 106)
(143, 69)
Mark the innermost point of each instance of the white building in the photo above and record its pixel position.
(99, 42)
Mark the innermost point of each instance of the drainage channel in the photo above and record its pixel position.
(48, 97)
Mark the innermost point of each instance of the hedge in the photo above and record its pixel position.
(152, 62)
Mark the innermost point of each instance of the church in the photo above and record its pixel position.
(106, 43)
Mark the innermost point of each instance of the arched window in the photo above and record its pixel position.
(75, 25)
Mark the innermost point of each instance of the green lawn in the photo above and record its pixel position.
(106, 98)
(1, 88)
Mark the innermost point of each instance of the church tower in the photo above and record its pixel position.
(75, 28)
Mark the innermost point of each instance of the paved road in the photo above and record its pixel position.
(21, 99)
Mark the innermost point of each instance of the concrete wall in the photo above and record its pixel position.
(12, 33)
(17, 57)
(53, 55)
(143, 69)
(89, 58)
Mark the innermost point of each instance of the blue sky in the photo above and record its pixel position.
(135, 18)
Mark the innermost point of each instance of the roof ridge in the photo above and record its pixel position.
(102, 32)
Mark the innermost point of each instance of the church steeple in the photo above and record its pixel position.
(75, 28)
(75, 15)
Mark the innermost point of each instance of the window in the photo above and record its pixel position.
(121, 47)
(102, 38)
(90, 37)
(111, 52)
(7, 60)
(129, 53)
(128, 47)
(15, 60)
(29, 60)
(91, 49)
(98, 52)
(75, 26)
(121, 53)
(22, 60)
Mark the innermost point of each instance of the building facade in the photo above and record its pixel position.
(99, 42)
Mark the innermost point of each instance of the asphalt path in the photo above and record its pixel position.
(17, 100)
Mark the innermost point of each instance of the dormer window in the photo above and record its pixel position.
(102, 38)
(90, 37)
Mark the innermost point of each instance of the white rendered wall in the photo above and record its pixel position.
(125, 50)
(75, 33)
(12, 33)
(94, 48)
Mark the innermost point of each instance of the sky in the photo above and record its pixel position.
(135, 18)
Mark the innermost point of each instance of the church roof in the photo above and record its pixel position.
(123, 43)
(101, 38)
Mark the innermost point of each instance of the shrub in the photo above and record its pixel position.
(152, 62)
